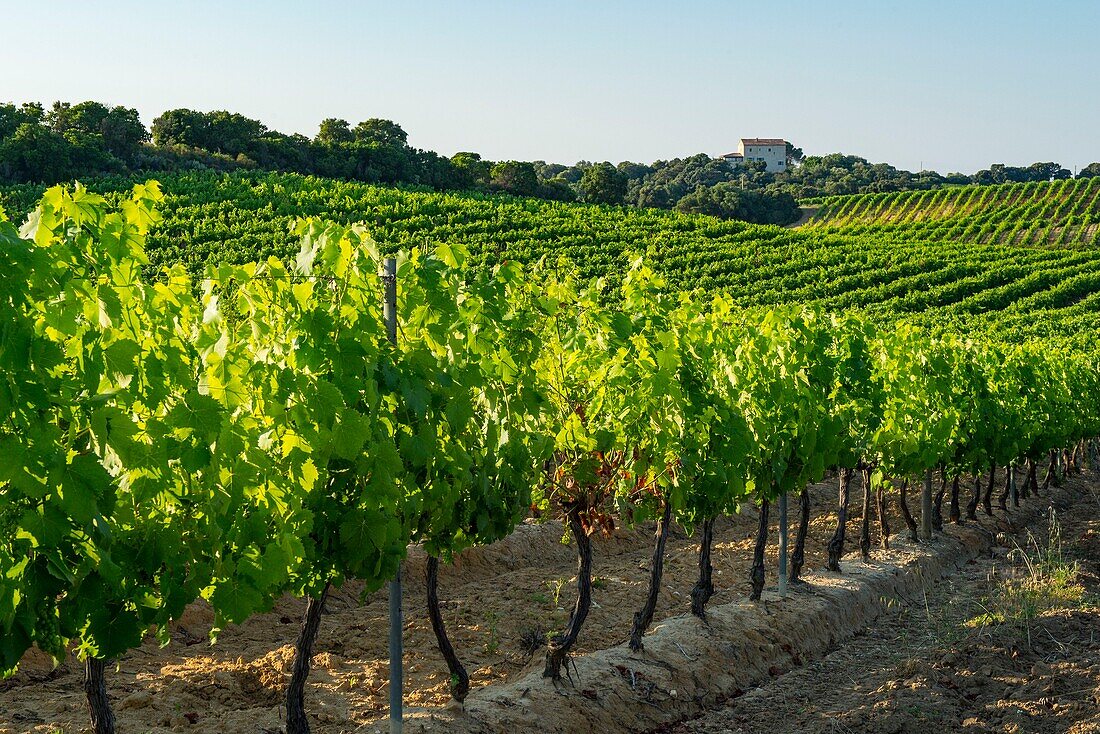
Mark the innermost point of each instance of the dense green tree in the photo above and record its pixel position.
(547, 171)
(219, 131)
(728, 201)
(334, 131)
(672, 180)
(232, 133)
(572, 175)
(384, 164)
(794, 155)
(555, 189)
(87, 155)
(435, 171)
(86, 117)
(99, 131)
(34, 111)
(1092, 170)
(472, 172)
(122, 131)
(11, 117)
(59, 118)
(999, 173)
(180, 127)
(1048, 171)
(515, 177)
(602, 183)
(634, 171)
(381, 132)
(35, 154)
(277, 151)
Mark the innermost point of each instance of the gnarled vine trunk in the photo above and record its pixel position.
(798, 557)
(1013, 488)
(756, 575)
(836, 543)
(557, 650)
(937, 504)
(972, 506)
(95, 688)
(865, 524)
(953, 513)
(644, 616)
(987, 499)
(704, 587)
(460, 679)
(906, 515)
(1002, 499)
(296, 720)
(1032, 479)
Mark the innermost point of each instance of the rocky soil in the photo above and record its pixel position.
(500, 602)
(922, 668)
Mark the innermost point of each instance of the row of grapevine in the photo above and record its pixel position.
(1060, 213)
(259, 433)
(245, 218)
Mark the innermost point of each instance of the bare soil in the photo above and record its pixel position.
(806, 214)
(920, 668)
(499, 603)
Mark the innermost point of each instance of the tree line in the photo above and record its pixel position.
(68, 141)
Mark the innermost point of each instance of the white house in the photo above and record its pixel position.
(773, 151)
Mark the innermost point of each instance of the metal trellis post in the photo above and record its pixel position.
(389, 315)
(783, 544)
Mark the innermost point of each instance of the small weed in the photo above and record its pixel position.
(539, 598)
(598, 582)
(493, 643)
(555, 588)
(1041, 579)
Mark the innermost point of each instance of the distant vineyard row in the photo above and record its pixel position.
(1060, 213)
(888, 270)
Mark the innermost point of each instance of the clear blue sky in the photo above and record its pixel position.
(956, 84)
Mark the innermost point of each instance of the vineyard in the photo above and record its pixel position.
(1003, 288)
(1055, 214)
(255, 388)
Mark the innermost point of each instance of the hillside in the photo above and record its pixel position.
(1060, 213)
(215, 454)
(941, 271)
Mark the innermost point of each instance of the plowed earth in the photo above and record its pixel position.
(498, 602)
(919, 668)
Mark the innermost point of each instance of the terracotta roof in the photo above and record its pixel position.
(733, 155)
(763, 141)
